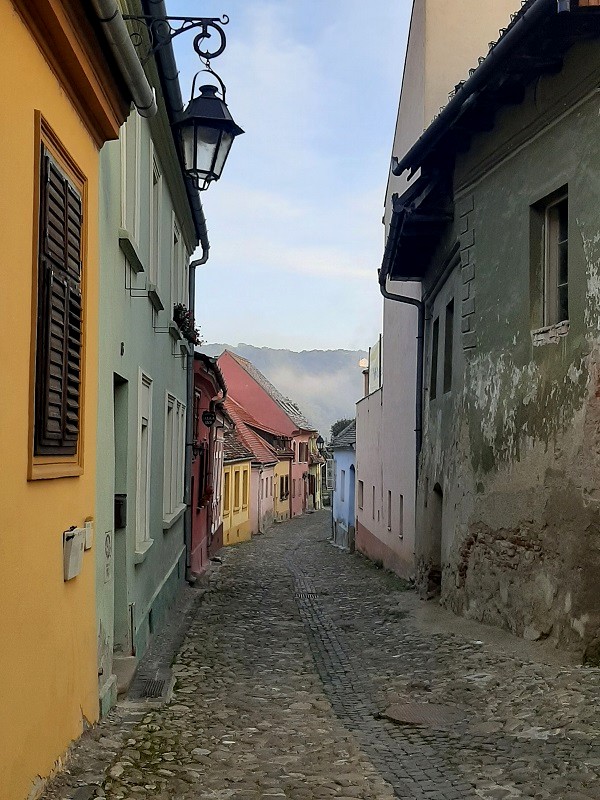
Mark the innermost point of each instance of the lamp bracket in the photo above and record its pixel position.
(162, 31)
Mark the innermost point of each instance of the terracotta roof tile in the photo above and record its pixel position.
(261, 450)
(234, 448)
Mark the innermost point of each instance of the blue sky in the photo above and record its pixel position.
(295, 221)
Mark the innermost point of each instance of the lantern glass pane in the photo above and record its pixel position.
(187, 139)
(223, 152)
(207, 141)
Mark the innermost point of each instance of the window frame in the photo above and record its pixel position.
(435, 346)
(544, 261)
(174, 458)
(42, 467)
(361, 491)
(155, 217)
(143, 539)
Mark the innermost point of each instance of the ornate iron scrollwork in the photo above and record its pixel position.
(162, 30)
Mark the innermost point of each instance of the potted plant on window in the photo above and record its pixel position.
(184, 319)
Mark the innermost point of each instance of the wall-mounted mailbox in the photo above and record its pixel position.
(120, 511)
(73, 544)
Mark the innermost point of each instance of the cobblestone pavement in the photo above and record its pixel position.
(298, 660)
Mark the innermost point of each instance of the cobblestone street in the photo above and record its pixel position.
(292, 677)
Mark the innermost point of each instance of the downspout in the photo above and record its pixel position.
(189, 425)
(119, 41)
(420, 306)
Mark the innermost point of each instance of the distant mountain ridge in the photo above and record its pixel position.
(325, 384)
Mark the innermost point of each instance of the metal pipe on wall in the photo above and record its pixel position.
(119, 40)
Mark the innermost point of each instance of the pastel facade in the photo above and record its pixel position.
(274, 412)
(146, 242)
(343, 447)
(441, 49)
(207, 465)
(61, 104)
(263, 467)
(237, 525)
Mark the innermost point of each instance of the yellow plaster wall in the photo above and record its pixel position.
(48, 682)
(237, 526)
(281, 508)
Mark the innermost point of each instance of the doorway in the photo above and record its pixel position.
(122, 629)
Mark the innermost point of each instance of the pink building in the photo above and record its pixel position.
(207, 465)
(275, 412)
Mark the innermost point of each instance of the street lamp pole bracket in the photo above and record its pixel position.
(162, 31)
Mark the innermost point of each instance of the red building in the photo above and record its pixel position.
(210, 423)
(271, 409)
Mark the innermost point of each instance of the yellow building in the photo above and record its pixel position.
(60, 103)
(237, 525)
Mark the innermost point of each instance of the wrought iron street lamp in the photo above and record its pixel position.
(207, 131)
(205, 127)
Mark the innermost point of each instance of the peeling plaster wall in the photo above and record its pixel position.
(515, 448)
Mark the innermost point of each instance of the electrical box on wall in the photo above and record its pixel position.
(73, 545)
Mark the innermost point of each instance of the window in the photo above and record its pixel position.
(361, 488)
(343, 485)
(144, 454)
(556, 271)
(271, 480)
(373, 502)
(262, 488)
(131, 143)
(448, 346)
(330, 474)
(245, 489)
(58, 353)
(389, 511)
(226, 494)
(155, 220)
(550, 260)
(294, 488)
(287, 486)
(175, 457)
(434, 359)
(281, 489)
(236, 490)
(401, 519)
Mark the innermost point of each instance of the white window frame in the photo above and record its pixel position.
(174, 461)
(551, 270)
(131, 148)
(156, 192)
(343, 485)
(144, 463)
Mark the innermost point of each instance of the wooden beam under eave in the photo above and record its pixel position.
(77, 55)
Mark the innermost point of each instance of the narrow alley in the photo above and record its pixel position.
(297, 660)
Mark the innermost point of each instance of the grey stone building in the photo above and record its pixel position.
(502, 229)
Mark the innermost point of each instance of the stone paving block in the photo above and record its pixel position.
(281, 695)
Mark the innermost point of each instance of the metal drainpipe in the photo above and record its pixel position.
(420, 305)
(126, 57)
(189, 432)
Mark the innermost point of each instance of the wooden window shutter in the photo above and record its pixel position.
(59, 332)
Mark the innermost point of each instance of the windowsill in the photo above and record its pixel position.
(48, 470)
(225, 514)
(141, 551)
(551, 334)
(129, 248)
(154, 297)
(170, 519)
(185, 346)
(174, 331)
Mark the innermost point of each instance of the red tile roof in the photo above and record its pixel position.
(261, 450)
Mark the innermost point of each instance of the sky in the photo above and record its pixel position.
(295, 221)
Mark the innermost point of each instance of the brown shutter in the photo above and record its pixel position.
(58, 347)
